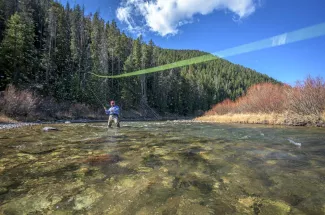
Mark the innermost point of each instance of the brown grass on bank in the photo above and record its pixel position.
(246, 118)
(274, 104)
(24, 105)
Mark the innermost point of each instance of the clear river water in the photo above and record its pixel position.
(162, 168)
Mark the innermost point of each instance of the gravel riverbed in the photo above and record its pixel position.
(15, 125)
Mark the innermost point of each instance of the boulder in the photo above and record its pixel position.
(49, 129)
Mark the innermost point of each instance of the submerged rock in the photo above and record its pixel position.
(86, 199)
(183, 205)
(152, 161)
(269, 207)
(254, 205)
(167, 182)
(80, 173)
(103, 159)
(30, 204)
(3, 190)
(2, 168)
(49, 129)
(144, 169)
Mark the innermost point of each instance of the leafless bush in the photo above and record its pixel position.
(26, 105)
(16, 102)
(263, 98)
(80, 110)
(302, 104)
(307, 97)
(222, 108)
(260, 98)
(48, 108)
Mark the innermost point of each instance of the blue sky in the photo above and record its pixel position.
(215, 25)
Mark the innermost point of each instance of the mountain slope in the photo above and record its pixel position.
(59, 47)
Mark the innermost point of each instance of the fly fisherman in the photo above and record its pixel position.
(114, 114)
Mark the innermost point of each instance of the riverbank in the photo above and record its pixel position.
(274, 104)
(268, 119)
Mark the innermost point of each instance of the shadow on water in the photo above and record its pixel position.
(162, 168)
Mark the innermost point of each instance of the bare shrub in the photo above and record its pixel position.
(48, 108)
(307, 97)
(263, 98)
(80, 110)
(16, 102)
(260, 98)
(303, 104)
(25, 105)
(222, 108)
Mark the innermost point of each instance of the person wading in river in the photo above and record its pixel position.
(114, 114)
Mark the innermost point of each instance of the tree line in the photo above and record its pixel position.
(51, 49)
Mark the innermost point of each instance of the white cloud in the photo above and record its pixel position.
(166, 16)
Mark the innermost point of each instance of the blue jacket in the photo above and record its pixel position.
(113, 111)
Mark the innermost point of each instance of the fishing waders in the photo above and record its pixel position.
(113, 119)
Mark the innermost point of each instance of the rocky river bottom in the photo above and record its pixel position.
(162, 168)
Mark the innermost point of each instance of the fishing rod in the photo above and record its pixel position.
(94, 94)
(96, 97)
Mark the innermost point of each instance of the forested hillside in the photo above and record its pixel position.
(51, 49)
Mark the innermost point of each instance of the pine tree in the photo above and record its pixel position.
(17, 51)
(96, 39)
(2, 18)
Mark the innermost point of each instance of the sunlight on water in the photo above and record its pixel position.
(162, 168)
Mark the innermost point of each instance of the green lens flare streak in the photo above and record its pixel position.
(279, 40)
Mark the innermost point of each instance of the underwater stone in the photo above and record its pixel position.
(193, 209)
(270, 207)
(181, 205)
(168, 157)
(314, 204)
(86, 198)
(124, 163)
(97, 175)
(80, 173)
(225, 180)
(161, 151)
(247, 202)
(167, 181)
(2, 168)
(271, 162)
(144, 169)
(3, 190)
(127, 183)
(145, 211)
(163, 169)
(29, 204)
(216, 186)
(102, 159)
(207, 156)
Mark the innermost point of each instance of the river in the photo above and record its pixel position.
(162, 168)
